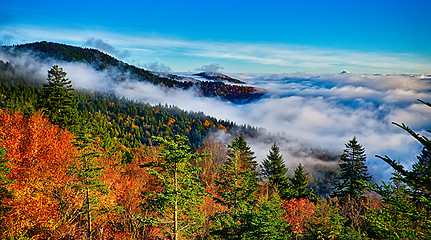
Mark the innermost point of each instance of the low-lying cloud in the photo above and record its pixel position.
(105, 47)
(303, 111)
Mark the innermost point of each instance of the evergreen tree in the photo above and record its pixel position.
(411, 201)
(57, 100)
(88, 174)
(299, 182)
(274, 169)
(4, 181)
(177, 195)
(353, 172)
(266, 221)
(236, 189)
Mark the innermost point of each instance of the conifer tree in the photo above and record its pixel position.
(177, 195)
(299, 182)
(274, 169)
(88, 176)
(266, 221)
(57, 100)
(353, 171)
(235, 189)
(4, 181)
(409, 203)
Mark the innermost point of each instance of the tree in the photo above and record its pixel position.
(353, 172)
(57, 100)
(177, 195)
(408, 203)
(266, 221)
(299, 182)
(88, 174)
(236, 189)
(274, 169)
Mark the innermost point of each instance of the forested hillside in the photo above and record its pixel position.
(89, 165)
(99, 60)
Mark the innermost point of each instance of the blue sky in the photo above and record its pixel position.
(240, 36)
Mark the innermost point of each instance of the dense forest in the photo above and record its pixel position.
(88, 165)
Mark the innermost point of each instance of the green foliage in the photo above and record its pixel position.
(353, 171)
(407, 202)
(4, 181)
(177, 195)
(88, 175)
(236, 189)
(274, 169)
(399, 217)
(265, 221)
(57, 99)
(299, 185)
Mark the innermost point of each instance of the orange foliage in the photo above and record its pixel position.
(298, 213)
(39, 155)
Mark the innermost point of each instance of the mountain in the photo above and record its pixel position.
(99, 60)
(218, 77)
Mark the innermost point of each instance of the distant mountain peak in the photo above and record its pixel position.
(217, 76)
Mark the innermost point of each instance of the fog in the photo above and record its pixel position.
(302, 111)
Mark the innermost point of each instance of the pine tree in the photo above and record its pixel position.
(88, 176)
(236, 189)
(274, 169)
(353, 172)
(177, 195)
(299, 182)
(57, 100)
(4, 181)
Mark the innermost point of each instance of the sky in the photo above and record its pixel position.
(361, 36)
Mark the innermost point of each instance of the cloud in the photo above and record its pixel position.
(105, 47)
(212, 68)
(300, 111)
(157, 67)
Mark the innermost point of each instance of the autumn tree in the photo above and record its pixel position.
(353, 172)
(274, 169)
(39, 154)
(57, 99)
(177, 194)
(299, 183)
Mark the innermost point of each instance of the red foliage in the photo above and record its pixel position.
(298, 213)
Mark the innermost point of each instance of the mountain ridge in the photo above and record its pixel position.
(237, 94)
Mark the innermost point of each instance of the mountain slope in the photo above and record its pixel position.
(99, 60)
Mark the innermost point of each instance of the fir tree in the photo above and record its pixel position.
(299, 182)
(57, 100)
(266, 221)
(274, 169)
(177, 195)
(236, 189)
(353, 172)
